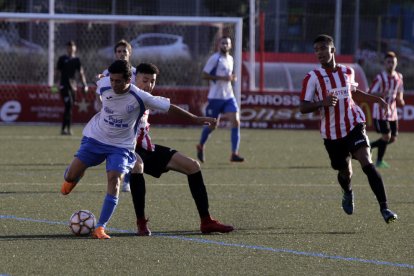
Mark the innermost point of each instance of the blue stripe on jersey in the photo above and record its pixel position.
(141, 110)
(103, 89)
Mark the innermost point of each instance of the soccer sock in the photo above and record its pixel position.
(345, 183)
(137, 185)
(382, 146)
(235, 139)
(204, 135)
(199, 193)
(108, 209)
(376, 143)
(377, 186)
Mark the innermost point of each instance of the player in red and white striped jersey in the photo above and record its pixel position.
(331, 90)
(389, 85)
(158, 159)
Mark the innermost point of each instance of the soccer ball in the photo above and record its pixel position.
(82, 223)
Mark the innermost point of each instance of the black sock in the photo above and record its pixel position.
(137, 185)
(382, 146)
(376, 143)
(345, 183)
(377, 186)
(199, 193)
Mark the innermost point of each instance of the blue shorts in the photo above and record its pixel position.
(93, 153)
(216, 106)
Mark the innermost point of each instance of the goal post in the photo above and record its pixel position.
(92, 31)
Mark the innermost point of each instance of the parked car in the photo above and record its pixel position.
(156, 45)
(10, 42)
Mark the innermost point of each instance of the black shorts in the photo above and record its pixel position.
(340, 150)
(155, 162)
(385, 127)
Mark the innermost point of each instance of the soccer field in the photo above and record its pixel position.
(284, 202)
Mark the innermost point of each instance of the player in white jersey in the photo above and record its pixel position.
(158, 159)
(389, 85)
(111, 135)
(331, 90)
(221, 100)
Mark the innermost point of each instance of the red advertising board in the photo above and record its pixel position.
(270, 110)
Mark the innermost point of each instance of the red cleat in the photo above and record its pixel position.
(209, 225)
(67, 187)
(99, 233)
(143, 229)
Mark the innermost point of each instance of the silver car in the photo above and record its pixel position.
(155, 46)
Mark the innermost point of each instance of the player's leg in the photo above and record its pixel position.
(64, 94)
(118, 162)
(362, 154)
(341, 161)
(73, 175)
(71, 102)
(190, 167)
(212, 110)
(138, 192)
(382, 127)
(231, 111)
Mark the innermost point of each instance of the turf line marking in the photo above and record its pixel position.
(239, 245)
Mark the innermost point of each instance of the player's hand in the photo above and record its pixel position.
(85, 89)
(99, 76)
(400, 102)
(207, 121)
(330, 100)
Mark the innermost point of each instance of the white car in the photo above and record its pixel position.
(154, 45)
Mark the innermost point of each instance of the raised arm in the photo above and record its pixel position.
(308, 107)
(360, 96)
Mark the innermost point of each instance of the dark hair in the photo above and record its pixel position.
(390, 54)
(225, 37)
(147, 68)
(71, 43)
(121, 67)
(124, 43)
(324, 38)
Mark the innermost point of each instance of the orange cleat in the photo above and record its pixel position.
(67, 187)
(99, 233)
(209, 225)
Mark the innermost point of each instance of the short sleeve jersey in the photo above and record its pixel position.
(338, 121)
(68, 66)
(220, 65)
(116, 124)
(387, 86)
(143, 138)
(133, 77)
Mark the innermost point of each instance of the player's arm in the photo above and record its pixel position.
(400, 99)
(360, 96)
(83, 79)
(177, 111)
(207, 76)
(309, 107)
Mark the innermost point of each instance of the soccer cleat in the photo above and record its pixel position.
(99, 233)
(348, 202)
(143, 229)
(236, 158)
(200, 153)
(67, 187)
(209, 225)
(382, 164)
(388, 215)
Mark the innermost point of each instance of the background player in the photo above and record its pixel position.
(221, 100)
(67, 66)
(159, 159)
(331, 89)
(389, 85)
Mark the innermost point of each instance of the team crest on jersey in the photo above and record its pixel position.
(108, 110)
(130, 108)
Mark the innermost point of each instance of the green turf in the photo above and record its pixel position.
(284, 202)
